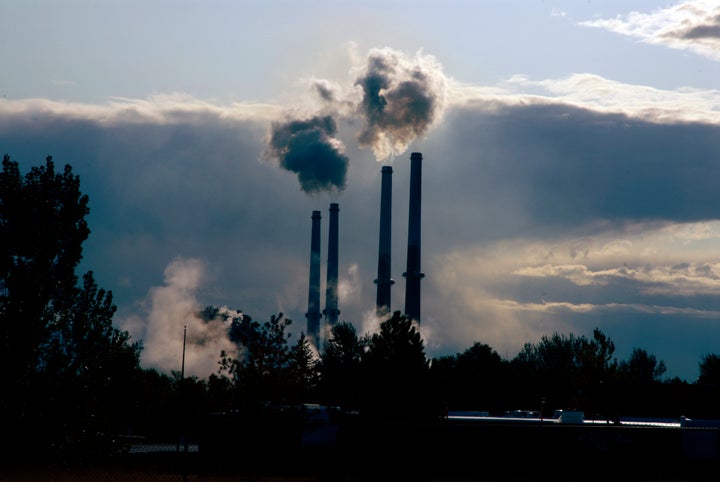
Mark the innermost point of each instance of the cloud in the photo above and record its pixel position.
(685, 279)
(553, 164)
(597, 94)
(161, 109)
(692, 26)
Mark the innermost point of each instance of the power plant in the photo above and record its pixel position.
(384, 280)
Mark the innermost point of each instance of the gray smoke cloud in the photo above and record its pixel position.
(310, 148)
(402, 98)
(397, 98)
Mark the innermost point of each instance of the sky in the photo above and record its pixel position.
(570, 173)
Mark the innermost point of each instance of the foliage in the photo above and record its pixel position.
(642, 367)
(473, 379)
(709, 369)
(63, 359)
(266, 368)
(42, 228)
(397, 372)
(340, 366)
(302, 371)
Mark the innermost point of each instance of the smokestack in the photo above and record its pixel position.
(383, 281)
(313, 314)
(331, 294)
(413, 274)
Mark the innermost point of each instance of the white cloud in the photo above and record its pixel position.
(165, 108)
(590, 91)
(692, 26)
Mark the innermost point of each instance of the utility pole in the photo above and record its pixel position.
(183, 412)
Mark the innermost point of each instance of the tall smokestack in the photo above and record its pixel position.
(313, 314)
(383, 281)
(413, 274)
(331, 294)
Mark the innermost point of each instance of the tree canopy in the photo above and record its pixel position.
(61, 355)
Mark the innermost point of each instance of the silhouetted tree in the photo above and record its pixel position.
(340, 366)
(444, 383)
(596, 373)
(553, 362)
(42, 228)
(302, 371)
(642, 367)
(66, 368)
(709, 369)
(259, 371)
(479, 378)
(397, 372)
(640, 388)
(568, 370)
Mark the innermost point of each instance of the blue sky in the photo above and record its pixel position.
(571, 156)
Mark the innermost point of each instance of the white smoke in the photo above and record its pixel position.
(371, 323)
(169, 311)
(350, 286)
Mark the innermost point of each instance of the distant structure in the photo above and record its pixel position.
(413, 275)
(384, 281)
(331, 311)
(313, 314)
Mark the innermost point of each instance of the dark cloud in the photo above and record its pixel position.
(310, 149)
(553, 165)
(704, 31)
(706, 27)
(401, 100)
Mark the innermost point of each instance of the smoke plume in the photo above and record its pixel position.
(402, 99)
(309, 148)
(398, 99)
(173, 307)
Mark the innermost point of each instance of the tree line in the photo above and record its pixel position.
(74, 389)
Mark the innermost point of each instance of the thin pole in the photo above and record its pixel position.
(182, 403)
(182, 368)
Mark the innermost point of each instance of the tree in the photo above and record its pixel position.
(302, 372)
(549, 367)
(42, 228)
(62, 357)
(397, 372)
(596, 372)
(642, 368)
(340, 366)
(595, 357)
(259, 371)
(568, 370)
(480, 373)
(709, 369)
